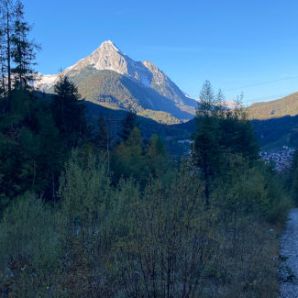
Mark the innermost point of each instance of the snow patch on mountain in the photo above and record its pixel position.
(45, 82)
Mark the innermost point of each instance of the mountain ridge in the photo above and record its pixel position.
(278, 108)
(115, 80)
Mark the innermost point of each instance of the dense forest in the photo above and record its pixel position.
(87, 214)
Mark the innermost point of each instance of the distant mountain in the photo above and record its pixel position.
(111, 79)
(287, 106)
(275, 133)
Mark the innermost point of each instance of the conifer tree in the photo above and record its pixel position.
(221, 132)
(102, 137)
(6, 19)
(219, 104)
(102, 140)
(68, 111)
(23, 50)
(156, 157)
(206, 147)
(128, 124)
(239, 111)
(2, 63)
(128, 158)
(207, 100)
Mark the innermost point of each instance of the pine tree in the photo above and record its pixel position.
(220, 104)
(69, 112)
(239, 111)
(156, 157)
(236, 133)
(206, 152)
(128, 158)
(207, 100)
(51, 155)
(23, 50)
(2, 63)
(128, 124)
(102, 136)
(7, 14)
(102, 140)
(221, 133)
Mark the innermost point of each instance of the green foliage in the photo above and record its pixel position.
(157, 158)
(17, 51)
(207, 101)
(292, 179)
(220, 132)
(128, 159)
(167, 249)
(23, 50)
(68, 112)
(102, 137)
(236, 136)
(115, 91)
(125, 241)
(248, 188)
(129, 123)
(141, 228)
(30, 148)
(132, 159)
(29, 247)
(85, 190)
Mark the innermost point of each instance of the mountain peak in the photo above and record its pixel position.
(106, 57)
(108, 45)
(110, 78)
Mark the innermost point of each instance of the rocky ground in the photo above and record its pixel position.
(289, 258)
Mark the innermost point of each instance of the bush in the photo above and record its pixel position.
(29, 249)
(158, 240)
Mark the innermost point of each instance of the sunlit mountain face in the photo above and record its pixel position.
(110, 78)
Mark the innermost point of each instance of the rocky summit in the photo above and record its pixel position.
(110, 78)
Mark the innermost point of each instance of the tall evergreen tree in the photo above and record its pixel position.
(103, 140)
(68, 111)
(206, 149)
(221, 132)
(128, 124)
(2, 62)
(7, 16)
(220, 104)
(156, 157)
(102, 135)
(128, 158)
(239, 111)
(23, 50)
(207, 100)
(237, 137)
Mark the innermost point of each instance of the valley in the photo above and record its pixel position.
(115, 183)
(112, 80)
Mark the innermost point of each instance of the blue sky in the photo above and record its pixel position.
(239, 45)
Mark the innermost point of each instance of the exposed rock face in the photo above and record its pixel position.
(111, 74)
(109, 57)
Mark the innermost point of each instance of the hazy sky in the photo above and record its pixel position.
(239, 45)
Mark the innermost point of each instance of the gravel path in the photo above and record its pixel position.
(289, 258)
